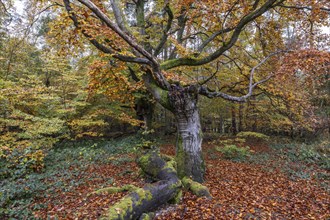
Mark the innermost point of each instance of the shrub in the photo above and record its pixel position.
(316, 153)
(233, 152)
(65, 168)
(254, 135)
(308, 154)
(18, 162)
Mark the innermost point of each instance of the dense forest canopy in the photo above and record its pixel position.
(79, 69)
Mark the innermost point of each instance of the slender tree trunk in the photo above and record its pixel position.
(233, 120)
(221, 128)
(240, 117)
(148, 117)
(254, 114)
(189, 134)
(144, 111)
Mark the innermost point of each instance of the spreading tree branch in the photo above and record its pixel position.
(212, 37)
(97, 44)
(212, 94)
(128, 39)
(220, 32)
(188, 61)
(166, 30)
(118, 16)
(303, 7)
(160, 79)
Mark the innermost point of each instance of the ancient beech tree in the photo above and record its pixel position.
(177, 48)
(160, 41)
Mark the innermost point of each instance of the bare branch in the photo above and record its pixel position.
(212, 94)
(212, 37)
(6, 10)
(234, 61)
(133, 75)
(193, 35)
(210, 77)
(302, 7)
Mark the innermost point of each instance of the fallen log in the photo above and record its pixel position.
(166, 188)
(150, 197)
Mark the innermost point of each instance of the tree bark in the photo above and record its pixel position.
(189, 134)
(182, 102)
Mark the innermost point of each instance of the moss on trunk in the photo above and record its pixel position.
(180, 157)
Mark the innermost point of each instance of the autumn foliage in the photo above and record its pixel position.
(87, 86)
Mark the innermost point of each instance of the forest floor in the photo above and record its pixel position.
(273, 182)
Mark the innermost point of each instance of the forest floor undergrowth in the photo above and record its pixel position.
(272, 181)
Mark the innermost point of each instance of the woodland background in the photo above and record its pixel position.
(68, 118)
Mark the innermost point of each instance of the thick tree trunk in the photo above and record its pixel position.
(189, 134)
(189, 147)
(182, 102)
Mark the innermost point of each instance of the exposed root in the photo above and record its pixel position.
(147, 216)
(196, 188)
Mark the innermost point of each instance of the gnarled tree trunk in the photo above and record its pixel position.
(189, 134)
(182, 102)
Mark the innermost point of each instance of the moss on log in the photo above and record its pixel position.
(167, 187)
(150, 197)
(114, 189)
(147, 216)
(195, 187)
(177, 198)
